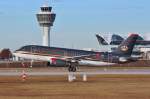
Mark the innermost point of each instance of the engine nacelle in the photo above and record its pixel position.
(56, 62)
(123, 59)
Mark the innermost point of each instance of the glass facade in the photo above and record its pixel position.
(46, 9)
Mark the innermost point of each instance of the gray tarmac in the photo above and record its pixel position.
(63, 71)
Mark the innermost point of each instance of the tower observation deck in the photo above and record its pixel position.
(46, 19)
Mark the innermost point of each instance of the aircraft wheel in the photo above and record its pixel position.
(69, 69)
(72, 69)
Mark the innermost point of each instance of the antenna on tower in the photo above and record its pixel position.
(46, 3)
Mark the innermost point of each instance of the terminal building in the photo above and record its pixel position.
(146, 52)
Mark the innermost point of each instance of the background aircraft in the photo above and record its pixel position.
(101, 40)
(117, 39)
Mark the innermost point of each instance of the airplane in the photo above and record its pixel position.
(75, 57)
(117, 39)
(140, 41)
(101, 40)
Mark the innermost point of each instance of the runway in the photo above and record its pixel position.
(49, 72)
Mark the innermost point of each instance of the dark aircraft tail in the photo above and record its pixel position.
(140, 41)
(126, 47)
(140, 38)
(101, 40)
(116, 39)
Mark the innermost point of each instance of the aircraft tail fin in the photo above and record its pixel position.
(126, 47)
(116, 39)
(101, 40)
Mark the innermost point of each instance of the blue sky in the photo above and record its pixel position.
(76, 23)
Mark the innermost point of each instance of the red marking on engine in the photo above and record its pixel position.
(53, 60)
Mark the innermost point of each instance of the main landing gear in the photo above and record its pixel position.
(72, 66)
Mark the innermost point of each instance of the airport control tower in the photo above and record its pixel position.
(46, 18)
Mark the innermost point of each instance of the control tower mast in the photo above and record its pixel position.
(46, 19)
